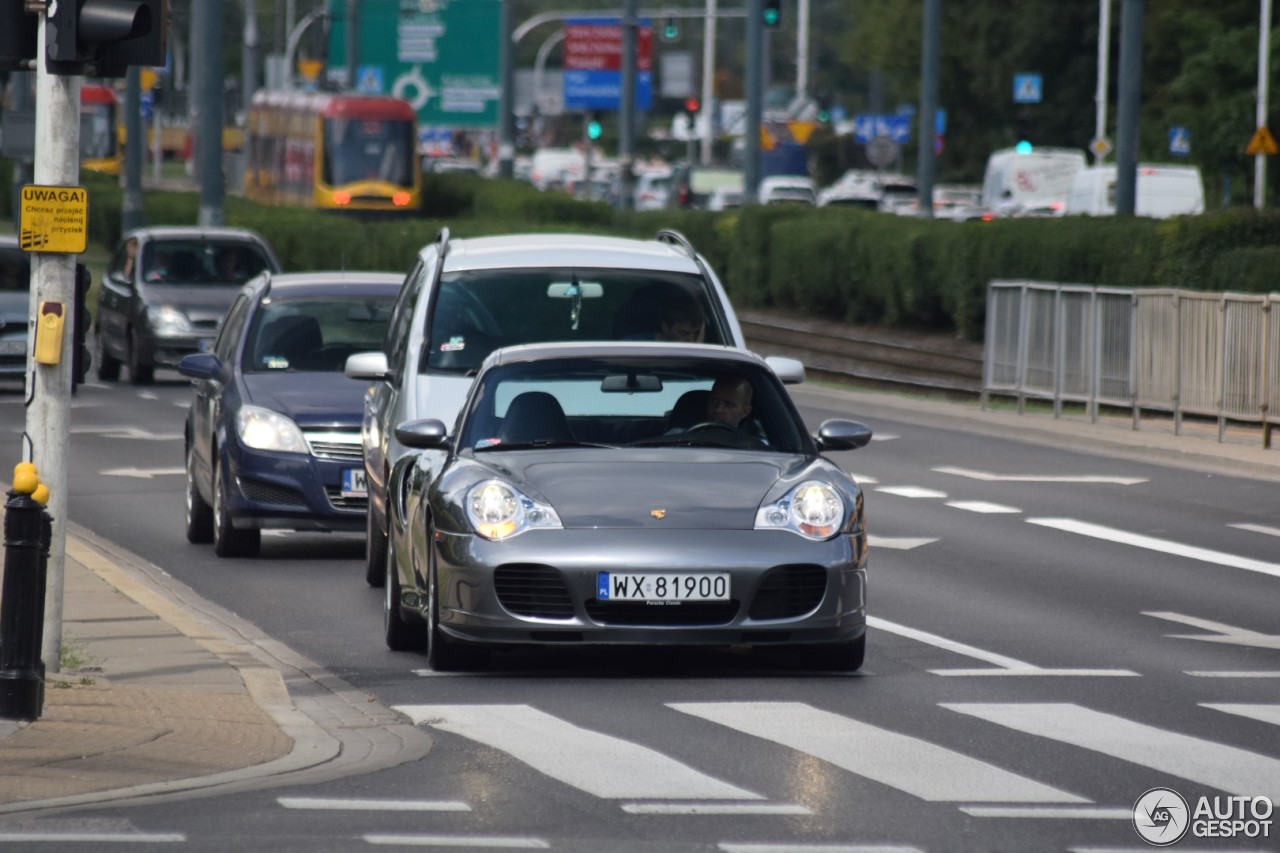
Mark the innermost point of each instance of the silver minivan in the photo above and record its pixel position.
(465, 298)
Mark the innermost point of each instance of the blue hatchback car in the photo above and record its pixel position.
(273, 432)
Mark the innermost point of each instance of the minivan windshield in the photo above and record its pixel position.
(479, 311)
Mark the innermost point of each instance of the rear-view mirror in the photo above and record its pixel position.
(631, 383)
(584, 290)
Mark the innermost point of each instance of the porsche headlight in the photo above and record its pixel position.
(813, 509)
(167, 321)
(498, 511)
(263, 429)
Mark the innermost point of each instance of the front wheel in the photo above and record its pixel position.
(402, 634)
(139, 373)
(199, 513)
(229, 541)
(375, 551)
(446, 654)
(108, 364)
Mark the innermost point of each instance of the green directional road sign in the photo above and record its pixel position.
(439, 55)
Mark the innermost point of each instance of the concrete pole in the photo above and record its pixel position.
(48, 426)
(353, 42)
(209, 131)
(755, 100)
(705, 121)
(1104, 64)
(627, 112)
(506, 94)
(802, 49)
(131, 210)
(1131, 13)
(249, 57)
(928, 117)
(1264, 66)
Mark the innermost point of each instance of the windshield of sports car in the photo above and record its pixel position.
(635, 402)
(314, 335)
(477, 312)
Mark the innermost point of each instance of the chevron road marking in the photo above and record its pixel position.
(1265, 713)
(1221, 633)
(1038, 478)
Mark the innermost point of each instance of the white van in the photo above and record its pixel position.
(1032, 184)
(1161, 191)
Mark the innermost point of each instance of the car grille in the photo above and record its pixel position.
(269, 493)
(338, 501)
(639, 613)
(789, 591)
(533, 590)
(342, 445)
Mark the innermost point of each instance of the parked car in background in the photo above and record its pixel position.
(787, 189)
(272, 437)
(1161, 191)
(1034, 183)
(15, 308)
(576, 505)
(652, 189)
(553, 168)
(694, 186)
(465, 298)
(166, 290)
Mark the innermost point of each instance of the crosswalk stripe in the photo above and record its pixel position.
(95, 837)
(909, 764)
(599, 764)
(901, 543)
(792, 847)
(455, 842)
(716, 808)
(1051, 813)
(911, 492)
(983, 507)
(335, 804)
(1163, 546)
(1228, 768)
(1263, 713)
(1257, 528)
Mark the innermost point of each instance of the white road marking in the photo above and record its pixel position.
(457, 841)
(599, 764)
(982, 506)
(715, 808)
(1038, 478)
(127, 432)
(864, 480)
(1148, 850)
(1164, 546)
(1217, 765)
(1263, 713)
(1053, 813)
(911, 492)
(906, 763)
(1222, 633)
(1244, 673)
(327, 804)
(1039, 671)
(96, 837)
(886, 436)
(896, 543)
(791, 847)
(142, 473)
(147, 395)
(1257, 528)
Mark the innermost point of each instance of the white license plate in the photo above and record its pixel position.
(627, 586)
(354, 484)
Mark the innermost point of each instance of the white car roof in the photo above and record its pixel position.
(564, 250)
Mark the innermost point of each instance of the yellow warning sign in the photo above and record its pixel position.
(148, 78)
(1262, 143)
(801, 130)
(310, 69)
(53, 219)
(767, 140)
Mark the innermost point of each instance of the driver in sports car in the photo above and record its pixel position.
(730, 401)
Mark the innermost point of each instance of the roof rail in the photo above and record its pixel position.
(443, 239)
(266, 288)
(670, 235)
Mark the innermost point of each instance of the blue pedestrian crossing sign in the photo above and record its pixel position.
(369, 79)
(1179, 141)
(1027, 88)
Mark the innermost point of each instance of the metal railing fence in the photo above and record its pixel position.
(1175, 351)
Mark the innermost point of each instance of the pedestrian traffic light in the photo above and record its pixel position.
(102, 38)
(18, 35)
(1024, 128)
(691, 105)
(593, 128)
(670, 30)
(772, 14)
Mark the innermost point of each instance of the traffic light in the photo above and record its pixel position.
(1024, 128)
(772, 14)
(670, 30)
(80, 357)
(593, 127)
(691, 105)
(17, 35)
(102, 38)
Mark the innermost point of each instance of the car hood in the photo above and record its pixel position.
(667, 488)
(310, 399)
(197, 302)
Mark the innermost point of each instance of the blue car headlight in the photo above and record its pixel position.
(263, 429)
(169, 322)
(498, 511)
(812, 509)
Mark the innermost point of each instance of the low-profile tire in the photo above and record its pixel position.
(229, 541)
(108, 364)
(403, 633)
(199, 513)
(839, 657)
(375, 551)
(139, 373)
(446, 654)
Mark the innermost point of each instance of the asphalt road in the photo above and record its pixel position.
(1054, 633)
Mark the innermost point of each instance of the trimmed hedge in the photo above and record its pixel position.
(854, 266)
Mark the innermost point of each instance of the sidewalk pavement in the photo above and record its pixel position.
(167, 695)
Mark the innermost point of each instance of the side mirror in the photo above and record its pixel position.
(368, 365)
(423, 435)
(201, 365)
(842, 435)
(789, 370)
